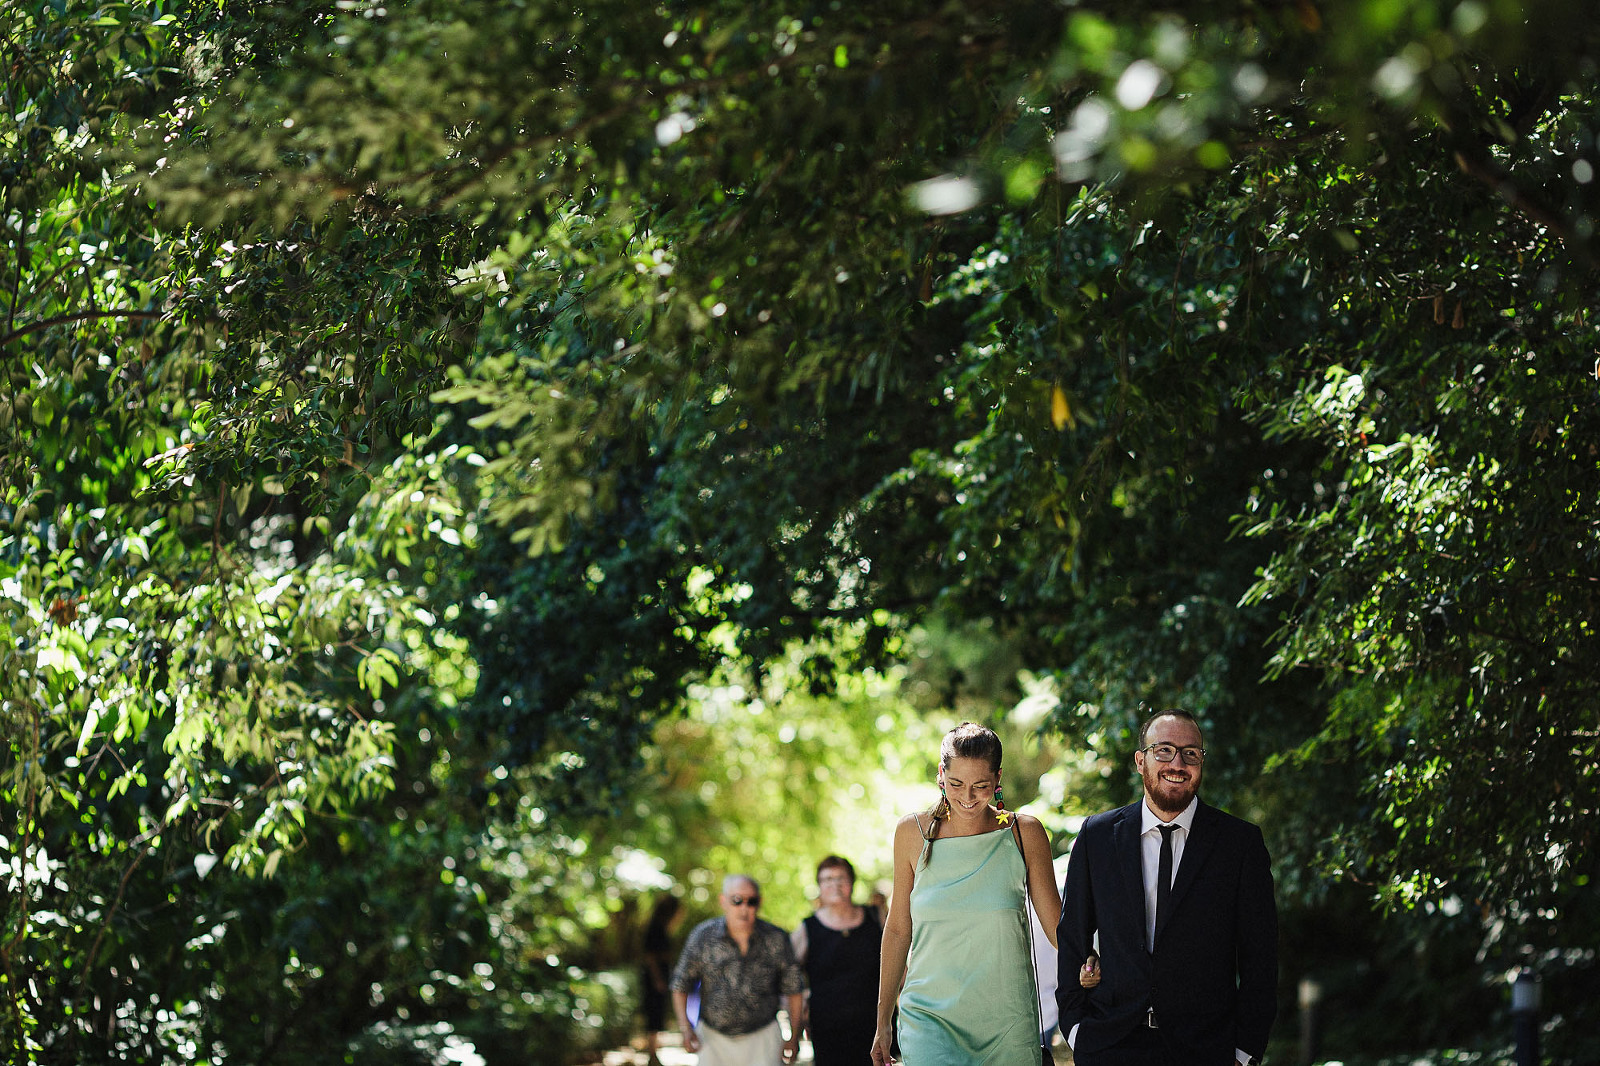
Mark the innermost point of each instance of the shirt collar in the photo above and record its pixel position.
(1148, 820)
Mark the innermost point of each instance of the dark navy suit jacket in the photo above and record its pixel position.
(1212, 979)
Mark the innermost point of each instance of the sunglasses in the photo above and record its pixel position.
(740, 901)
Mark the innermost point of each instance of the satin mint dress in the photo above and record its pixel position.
(968, 997)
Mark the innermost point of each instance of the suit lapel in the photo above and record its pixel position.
(1125, 839)
(1196, 849)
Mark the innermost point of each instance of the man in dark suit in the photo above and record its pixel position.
(1188, 973)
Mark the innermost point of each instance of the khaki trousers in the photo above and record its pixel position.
(764, 1047)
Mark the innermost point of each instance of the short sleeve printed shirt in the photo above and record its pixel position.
(739, 993)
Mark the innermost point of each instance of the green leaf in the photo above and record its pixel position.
(91, 723)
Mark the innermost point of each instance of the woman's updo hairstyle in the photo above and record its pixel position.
(969, 740)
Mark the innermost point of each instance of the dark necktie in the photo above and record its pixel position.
(1164, 874)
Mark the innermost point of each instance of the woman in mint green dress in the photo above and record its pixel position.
(957, 959)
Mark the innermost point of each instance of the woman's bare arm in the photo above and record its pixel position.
(1042, 888)
(896, 934)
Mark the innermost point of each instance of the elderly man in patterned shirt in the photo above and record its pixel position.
(743, 966)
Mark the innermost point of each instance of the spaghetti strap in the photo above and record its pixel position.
(1027, 889)
(927, 840)
(1027, 906)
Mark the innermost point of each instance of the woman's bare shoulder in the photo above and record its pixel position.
(1030, 826)
(917, 823)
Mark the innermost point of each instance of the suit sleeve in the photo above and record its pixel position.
(1074, 935)
(1258, 949)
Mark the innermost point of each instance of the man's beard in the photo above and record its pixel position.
(1162, 799)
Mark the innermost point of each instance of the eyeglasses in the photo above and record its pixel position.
(740, 901)
(1168, 752)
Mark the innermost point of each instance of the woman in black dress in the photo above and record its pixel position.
(838, 947)
(654, 970)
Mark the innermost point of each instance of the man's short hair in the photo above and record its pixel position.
(733, 880)
(1176, 712)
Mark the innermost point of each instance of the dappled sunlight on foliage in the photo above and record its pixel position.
(466, 466)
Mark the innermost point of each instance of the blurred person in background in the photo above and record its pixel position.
(655, 971)
(745, 968)
(839, 948)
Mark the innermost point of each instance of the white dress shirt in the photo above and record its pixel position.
(1150, 857)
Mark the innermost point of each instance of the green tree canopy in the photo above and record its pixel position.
(500, 372)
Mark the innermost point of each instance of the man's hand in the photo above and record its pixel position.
(791, 1046)
(691, 1039)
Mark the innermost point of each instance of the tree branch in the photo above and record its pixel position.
(1497, 179)
(76, 316)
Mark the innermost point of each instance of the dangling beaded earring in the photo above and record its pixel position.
(1002, 815)
(943, 810)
